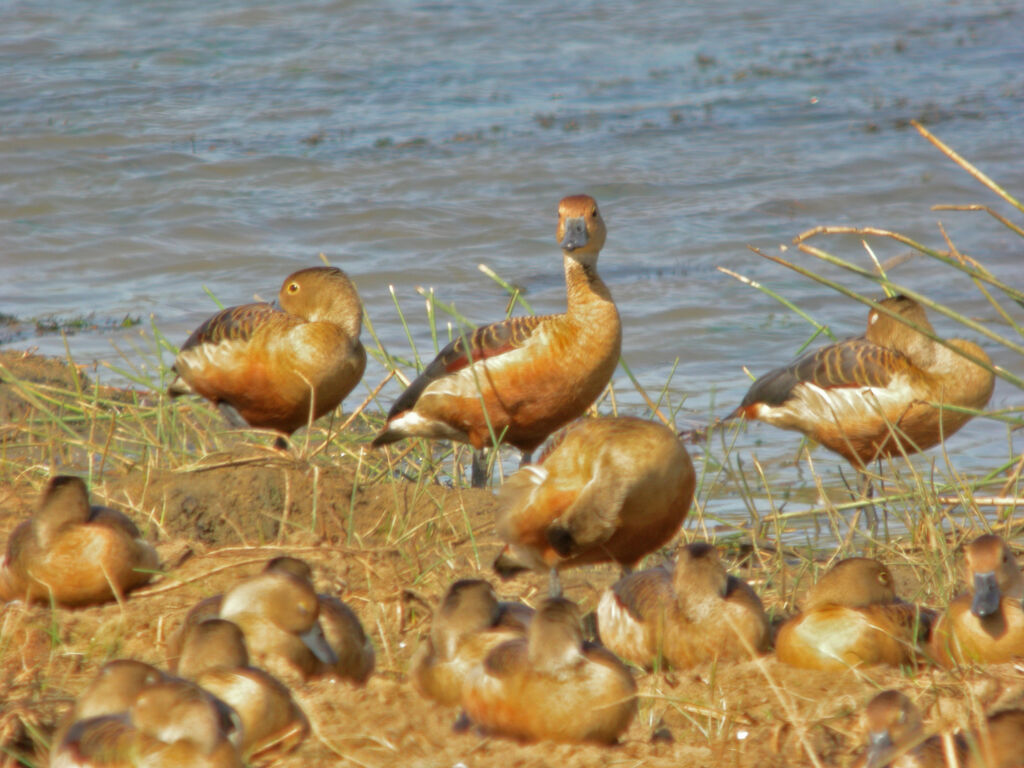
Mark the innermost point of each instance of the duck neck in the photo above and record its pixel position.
(585, 290)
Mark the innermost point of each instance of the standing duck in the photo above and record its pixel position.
(282, 368)
(551, 684)
(468, 624)
(74, 553)
(522, 378)
(852, 617)
(986, 624)
(890, 391)
(613, 489)
(691, 614)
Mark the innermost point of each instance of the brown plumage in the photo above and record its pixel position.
(984, 625)
(468, 624)
(877, 395)
(74, 553)
(213, 654)
(896, 737)
(279, 368)
(552, 685)
(691, 614)
(526, 376)
(288, 627)
(167, 724)
(613, 489)
(853, 617)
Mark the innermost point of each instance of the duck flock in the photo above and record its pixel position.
(602, 490)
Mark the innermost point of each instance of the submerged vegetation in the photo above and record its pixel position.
(405, 523)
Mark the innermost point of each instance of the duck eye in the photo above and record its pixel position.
(883, 578)
(593, 212)
(293, 287)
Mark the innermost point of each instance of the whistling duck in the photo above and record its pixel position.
(851, 617)
(274, 611)
(279, 368)
(895, 734)
(524, 377)
(469, 623)
(551, 684)
(213, 654)
(74, 553)
(693, 613)
(896, 737)
(170, 723)
(890, 391)
(613, 489)
(986, 625)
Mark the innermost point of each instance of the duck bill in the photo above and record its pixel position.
(986, 595)
(879, 749)
(317, 643)
(575, 234)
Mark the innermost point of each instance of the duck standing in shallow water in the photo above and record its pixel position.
(523, 377)
(551, 684)
(279, 368)
(74, 553)
(987, 624)
(612, 489)
(691, 614)
(468, 624)
(891, 391)
(852, 617)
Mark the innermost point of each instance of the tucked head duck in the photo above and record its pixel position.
(693, 614)
(552, 685)
(612, 489)
(522, 378)
(878, 395)
(987, 623)
(851, 617)
(74, 553)
(468, 624)
(279, 368)
(214, 655)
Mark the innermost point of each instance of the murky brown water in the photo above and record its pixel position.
(150, 149)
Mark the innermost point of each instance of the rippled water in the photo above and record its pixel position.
(150, 149)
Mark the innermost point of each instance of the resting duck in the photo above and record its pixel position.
(288, 626)
(169, 724)
(896, 738)
(613, 489)
(468, 624)
(74, 553)
(987, 624)
(551, 684)
(879, 394)
(523, 377)
(691, 614)
(213, 654)
(282, 368)
(852, 617)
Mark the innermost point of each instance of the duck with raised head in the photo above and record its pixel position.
(852, 617)
(522, 378)
(692, 613)
(611, 489)
(170, 723)
(74, 553)
(468, 624)
(213, 654)
(893, 390)
(986, 624)
(551, 684)
(896, 737)
(279, 369)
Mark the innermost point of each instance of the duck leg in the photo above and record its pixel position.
(478, 475)
(867, 492)
(554, 584)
